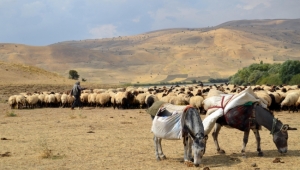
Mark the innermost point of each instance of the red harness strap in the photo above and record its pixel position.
(222, 104)
(187, 107)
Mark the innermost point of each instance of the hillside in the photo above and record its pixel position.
(13, 73)
(167, 55)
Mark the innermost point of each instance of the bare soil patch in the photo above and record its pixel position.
(94, 138)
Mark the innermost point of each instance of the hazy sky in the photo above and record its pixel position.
(44, 22)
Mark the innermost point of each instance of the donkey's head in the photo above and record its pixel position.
(280, 135)
(199, 145)
(193, 125)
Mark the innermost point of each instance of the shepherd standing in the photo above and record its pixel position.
(76, 92)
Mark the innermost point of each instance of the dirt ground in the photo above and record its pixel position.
(94, 138)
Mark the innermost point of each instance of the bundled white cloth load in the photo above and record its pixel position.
(216, 106)
(167, 122)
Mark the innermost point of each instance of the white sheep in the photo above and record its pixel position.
(197, 102)
(180, 99)
(87, 91)
(276, 100)
(84, 98)
(102, 99)
(124, 99)
(50, 100)
(70, 100)
(99, 90)
(64, 99)
(21, 101)
(298, 103)
(58, 99)
(12, 101)
(264, 96)
(150, 99)
(214, 92)
(141, 100)
(112, 98)
(167, 99)
(32, 100)
(290, 101)
(92, 99)
(41, 98)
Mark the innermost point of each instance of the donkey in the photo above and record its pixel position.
(192, 135)
(252, 117)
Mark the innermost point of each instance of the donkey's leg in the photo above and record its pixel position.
(245, 141)
(186, 148)
(257, 136)
(190, 155)
(187, 142)
(156, 143)
(215, 137)
(160, 152)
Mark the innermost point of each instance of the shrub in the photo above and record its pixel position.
(295, 79)
(271, 79)
(73, 74)
(288, 69)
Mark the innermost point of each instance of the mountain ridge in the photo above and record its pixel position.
(200, 53)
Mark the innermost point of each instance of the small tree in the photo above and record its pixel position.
(73, 75)
(288, 69)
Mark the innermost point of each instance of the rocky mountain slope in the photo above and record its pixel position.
(172, 55)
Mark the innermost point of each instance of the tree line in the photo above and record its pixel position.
(262, 73)
(274, 74)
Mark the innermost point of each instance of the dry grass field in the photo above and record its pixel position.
(94, 138)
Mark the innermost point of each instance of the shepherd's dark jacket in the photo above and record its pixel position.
(76, 90)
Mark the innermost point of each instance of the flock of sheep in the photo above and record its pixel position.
(275, 97)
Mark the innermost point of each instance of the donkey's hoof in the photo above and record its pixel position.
(163, 157)
(260, 154)
(221, 151)
(158, 159)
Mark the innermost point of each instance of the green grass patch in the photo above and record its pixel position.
(11, 114)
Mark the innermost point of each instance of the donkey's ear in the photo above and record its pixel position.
(290, 128)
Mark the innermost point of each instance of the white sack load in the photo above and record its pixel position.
(219, 105)
(167, 122)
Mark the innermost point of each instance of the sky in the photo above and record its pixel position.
(45, 22)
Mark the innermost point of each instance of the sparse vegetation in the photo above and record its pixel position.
(11, 114)
(81, 116)
(73, 74)
(47, 153)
